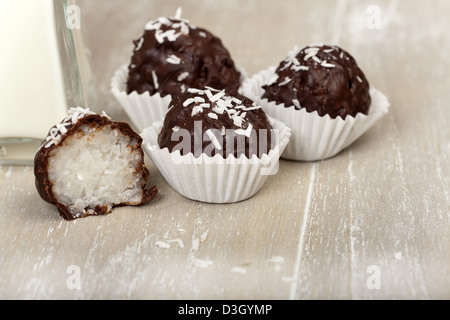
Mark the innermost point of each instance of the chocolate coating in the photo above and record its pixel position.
(200, 122)
(55, 139)
(321, 78)
(173, 56)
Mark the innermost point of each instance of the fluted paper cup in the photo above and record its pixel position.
(215, 179)
(143, 109)
(314, 137)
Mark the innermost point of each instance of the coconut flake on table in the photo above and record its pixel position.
(203, 263)
(162, 245)
(239, 270)
(179, 242)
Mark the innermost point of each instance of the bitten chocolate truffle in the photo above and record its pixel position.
(212, 122)
(173, 55)
(89, 164)
(321, 78)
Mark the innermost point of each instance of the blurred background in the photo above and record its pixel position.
(383, 35)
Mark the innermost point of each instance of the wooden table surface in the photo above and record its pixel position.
(371, 223)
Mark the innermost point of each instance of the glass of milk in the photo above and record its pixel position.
(43, 71)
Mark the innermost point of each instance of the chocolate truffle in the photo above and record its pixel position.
(321, 78)
(212, 122)
(89, 164)
(173, 55)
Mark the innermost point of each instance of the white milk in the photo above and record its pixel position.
(32, 97)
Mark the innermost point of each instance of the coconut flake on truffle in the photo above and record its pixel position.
(176, 27)
(57, 132)
(217, 102)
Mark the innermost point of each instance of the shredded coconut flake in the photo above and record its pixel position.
(162, 244)
(247, 132)
(188, 102)
(195, 244)
(203, 263)
(197, 91)
(327, 65)
(178, 241)
(285, 82)
(176, 29)
(196, 110)
(75, 114)
(179, 13)
(213, 116)
(239, 270)
(218, 96)
(173, 59)
(277, 259)
(204, 236)
(182, 77)
(155, 80)
(140, 43)
(311, 52)
(217, 145)
(317, 59)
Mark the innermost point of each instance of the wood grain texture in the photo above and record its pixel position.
(316, 230)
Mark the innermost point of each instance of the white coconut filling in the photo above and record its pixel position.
(96, 167)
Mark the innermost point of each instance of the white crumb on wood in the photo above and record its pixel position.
(203, 263)
(204, 236)
(162, 244)
(178, 241)
(239, 270)
(195, 244)
(277, 259)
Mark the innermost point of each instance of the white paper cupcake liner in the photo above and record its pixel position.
(143, 109)
(215, 179)
(314, 137)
